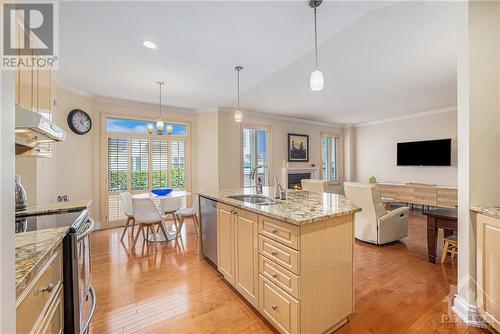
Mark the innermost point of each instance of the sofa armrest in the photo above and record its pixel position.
(393, 226)
(399, 212)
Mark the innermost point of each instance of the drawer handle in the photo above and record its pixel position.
(274, 230)
(274, 253)
(48, 288)
(274, 275)
(274, 306)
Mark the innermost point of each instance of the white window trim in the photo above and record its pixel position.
(255, 127)
(104, 153)
(340, 155)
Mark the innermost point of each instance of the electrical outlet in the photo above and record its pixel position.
(63, 198)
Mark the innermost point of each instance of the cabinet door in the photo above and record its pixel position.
(488, 269)
(225, 241)
(247, 255)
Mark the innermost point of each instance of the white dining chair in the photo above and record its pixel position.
(147, 215)
(191, 212)
(169, 206)
(129, 212)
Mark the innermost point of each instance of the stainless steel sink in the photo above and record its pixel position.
(255, 199)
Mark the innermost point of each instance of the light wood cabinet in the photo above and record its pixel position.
(420, 194)
(425, 195)
(237, 250)
(488, 269)
(34, 91)
(299, 277)
(225, 241)
(247, 255)
(39, 308)
(281, 309)
(447, 197)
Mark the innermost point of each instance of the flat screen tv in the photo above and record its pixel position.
(425, 153)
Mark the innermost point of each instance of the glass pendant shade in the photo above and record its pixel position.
(150, 128)
(170, 129)
(238, 116)
(316, 81)
(159, 126)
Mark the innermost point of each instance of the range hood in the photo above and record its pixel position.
(36, 127)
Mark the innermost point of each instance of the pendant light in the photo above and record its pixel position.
(159, 123)
(238, 114)
(316, 82)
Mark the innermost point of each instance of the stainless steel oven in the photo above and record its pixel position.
(80, 298)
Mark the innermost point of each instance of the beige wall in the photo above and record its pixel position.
(75, 157)
(230, 142)
(375, 149)
(205, 160)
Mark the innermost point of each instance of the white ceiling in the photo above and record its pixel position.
(379, 59)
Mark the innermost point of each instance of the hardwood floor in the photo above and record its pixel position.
(168, 289)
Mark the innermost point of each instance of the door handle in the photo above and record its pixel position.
(48, 288)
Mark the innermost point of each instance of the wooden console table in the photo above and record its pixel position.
(436, 219)
(429, 195)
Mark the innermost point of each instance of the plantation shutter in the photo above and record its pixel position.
(139, 155)
(117, 176)
(117, 164)
(255, 152)
(329, 152)
(178, 164)
(159, 163)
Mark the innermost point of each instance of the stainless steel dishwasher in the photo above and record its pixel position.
(208, 226)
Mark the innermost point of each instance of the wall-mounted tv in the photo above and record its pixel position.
(425, 153)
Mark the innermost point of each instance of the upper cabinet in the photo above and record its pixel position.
(34, 91)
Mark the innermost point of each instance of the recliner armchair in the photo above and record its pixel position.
(374, 223)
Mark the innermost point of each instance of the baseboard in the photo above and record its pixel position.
(468, 313)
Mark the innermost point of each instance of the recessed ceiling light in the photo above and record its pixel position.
(150, 45)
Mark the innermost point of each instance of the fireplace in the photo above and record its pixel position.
(291, 175)
(294, 180)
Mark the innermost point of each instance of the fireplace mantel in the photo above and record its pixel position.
(297, 170)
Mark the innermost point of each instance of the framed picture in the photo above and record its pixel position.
(298, 147)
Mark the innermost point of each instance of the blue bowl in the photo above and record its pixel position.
(161, 192)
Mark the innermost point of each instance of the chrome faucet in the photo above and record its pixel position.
(279, 192)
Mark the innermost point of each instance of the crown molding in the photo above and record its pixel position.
(400, 118)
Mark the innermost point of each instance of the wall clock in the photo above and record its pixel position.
(79, 121)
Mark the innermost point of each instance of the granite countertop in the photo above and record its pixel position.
(47, 208)
(300, 207)
(32, 250)
(487, 210)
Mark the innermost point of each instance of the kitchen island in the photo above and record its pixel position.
(292, 260)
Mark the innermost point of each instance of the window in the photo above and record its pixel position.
(138, 126)
(138, 162)
(256, 151)
(330, 157)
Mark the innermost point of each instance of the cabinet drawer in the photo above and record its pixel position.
(425, 195)
(447, 197)
(35, 302)
(287, 234)
(285, 256)
(54, 322)
(284, 279)
(281, 309)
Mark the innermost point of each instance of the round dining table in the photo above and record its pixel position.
(163, 198)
